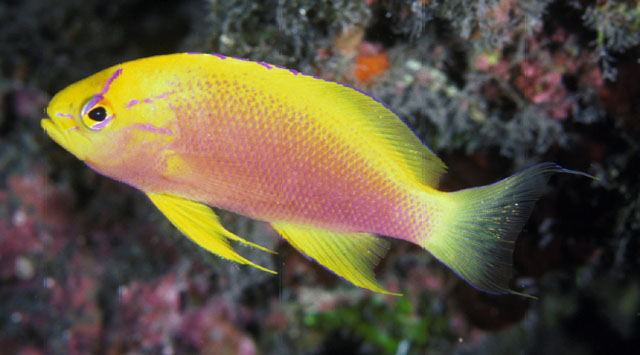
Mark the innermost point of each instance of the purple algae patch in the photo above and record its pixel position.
(147, 101)
(218, 55)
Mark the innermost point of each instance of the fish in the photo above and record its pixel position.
(333, 170)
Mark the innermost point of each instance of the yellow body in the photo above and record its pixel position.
(329, 167)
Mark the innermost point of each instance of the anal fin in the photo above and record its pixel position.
(200, 224)
(352, 256)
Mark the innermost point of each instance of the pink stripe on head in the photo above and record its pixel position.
(90, 103)
(103, 123)
(151, 128)
(97, 97)
(132, 102)
(65, 115)
(163, 95)
(113, 77)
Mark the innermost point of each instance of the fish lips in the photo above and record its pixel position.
(65, 132)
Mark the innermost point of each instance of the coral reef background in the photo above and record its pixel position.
(87, 265)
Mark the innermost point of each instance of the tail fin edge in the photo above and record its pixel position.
(476, 231)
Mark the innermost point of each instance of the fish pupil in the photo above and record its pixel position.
(98, 114)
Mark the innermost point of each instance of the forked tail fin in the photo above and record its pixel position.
(476, 231)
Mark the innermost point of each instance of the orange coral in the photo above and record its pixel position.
(368, 66)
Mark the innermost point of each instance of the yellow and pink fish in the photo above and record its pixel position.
(330, 168)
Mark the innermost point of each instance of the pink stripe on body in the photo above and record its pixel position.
(260, 157)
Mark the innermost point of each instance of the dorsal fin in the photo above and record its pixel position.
(390, 134)
(360, 118)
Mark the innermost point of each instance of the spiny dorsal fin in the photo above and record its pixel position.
(352, 256)
(202, 226)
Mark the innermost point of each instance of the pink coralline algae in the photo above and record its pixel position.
(152, 314)
(37, 225)
(151, 310)
(538, 76)
(540, 86)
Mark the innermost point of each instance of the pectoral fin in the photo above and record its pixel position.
(200, 224)
(352, 256)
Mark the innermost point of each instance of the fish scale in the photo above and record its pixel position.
(281, 138)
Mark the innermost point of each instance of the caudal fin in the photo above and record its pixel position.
(477, 229)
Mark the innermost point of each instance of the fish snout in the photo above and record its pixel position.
(63, 129)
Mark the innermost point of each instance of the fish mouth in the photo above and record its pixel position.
(57, 133)
(64, 131)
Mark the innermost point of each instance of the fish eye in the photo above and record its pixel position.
(96, 113)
